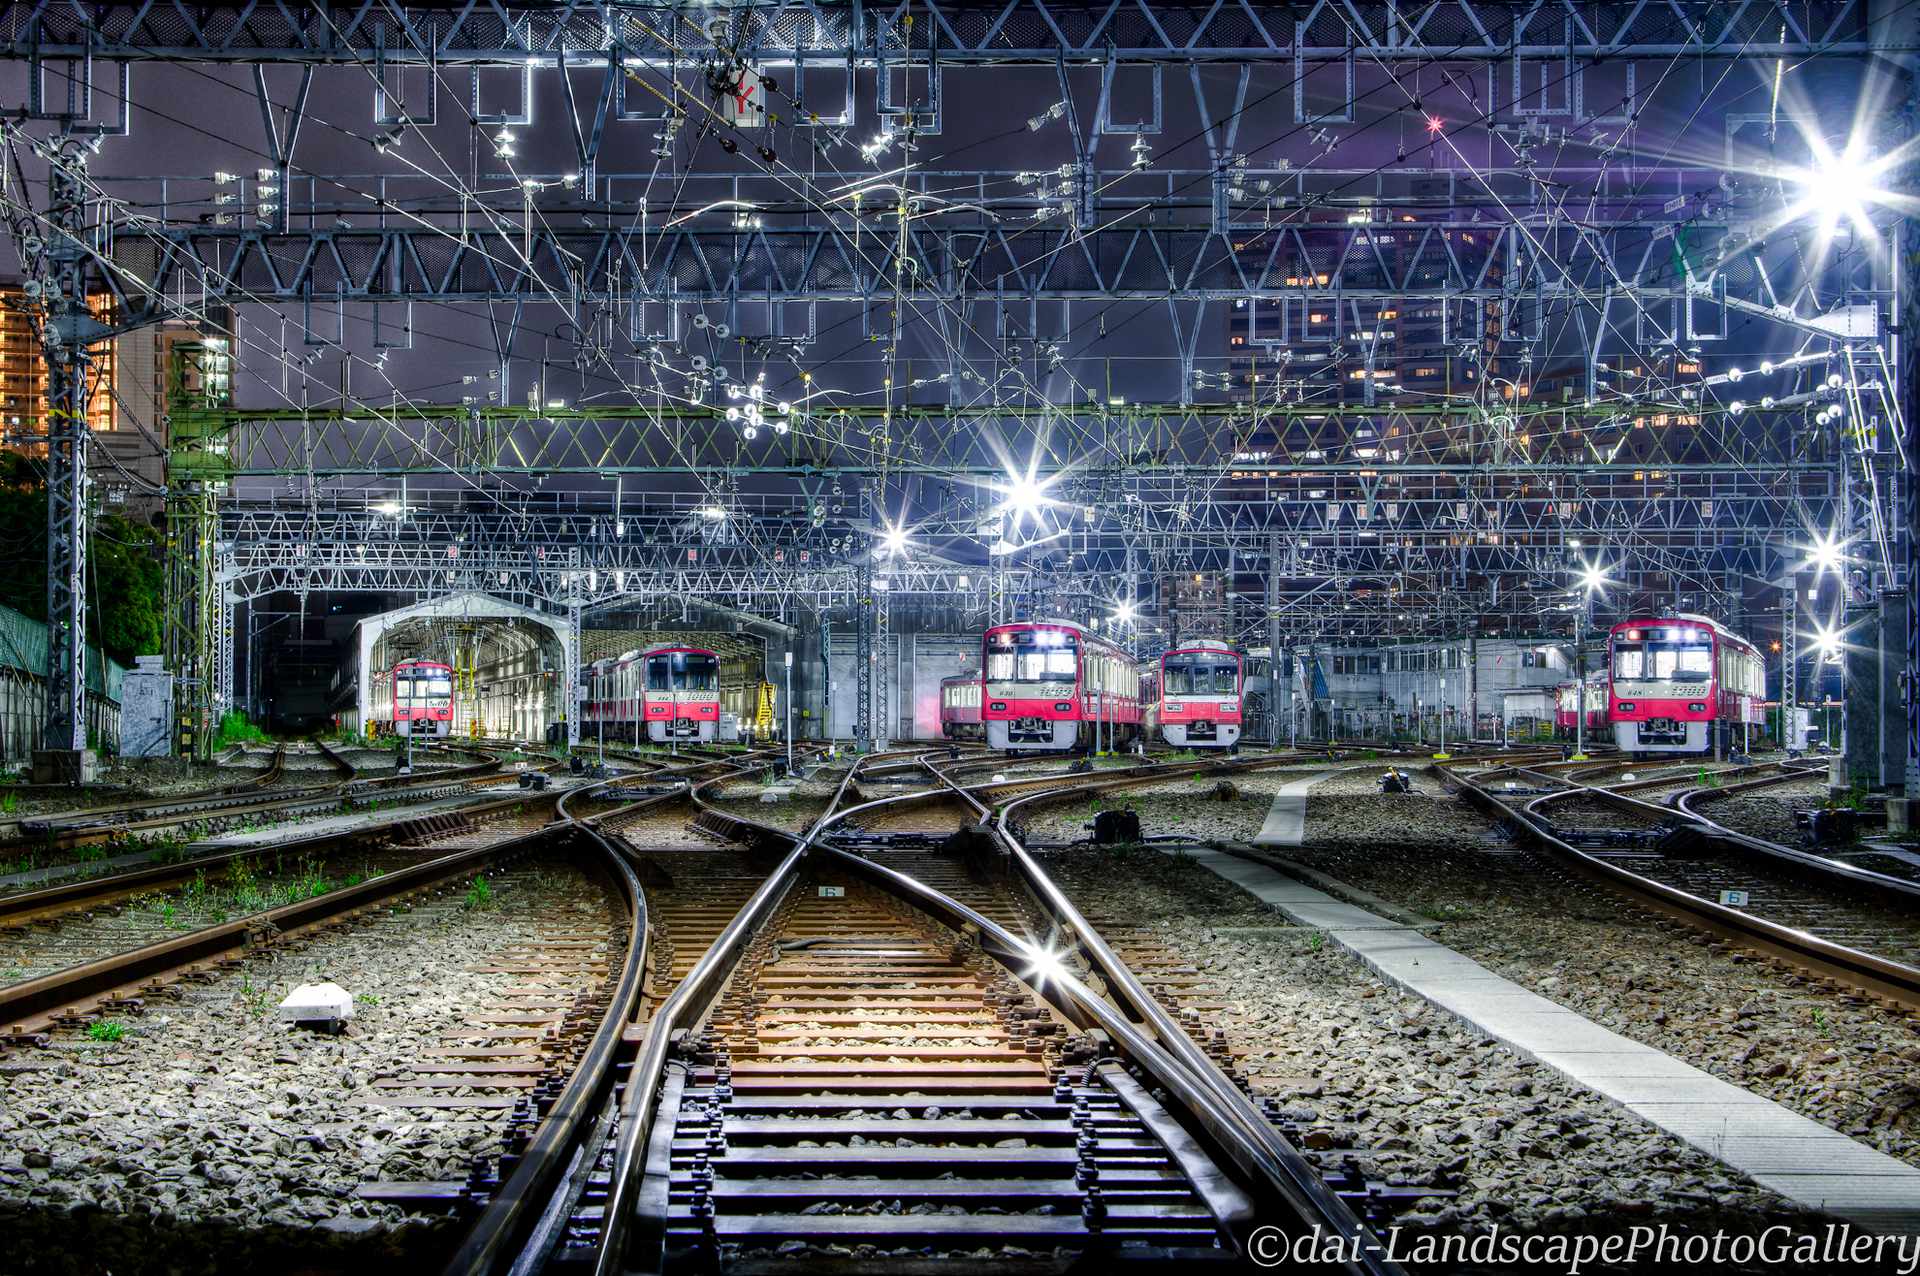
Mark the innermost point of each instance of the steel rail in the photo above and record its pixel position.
(1898, 892)
(1259, 1148)
(143, 968)
(1242, 1133)
(1876, 978)
(137, 881)
(220, 795)
(68, 830)
(516, 1210)
(1832, 874)
(683, 1007)
(529, 1206)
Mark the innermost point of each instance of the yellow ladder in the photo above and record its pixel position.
(763, 714)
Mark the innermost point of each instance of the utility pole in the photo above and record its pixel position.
(1789, 662)
(1273, 643)
(1580, 675)
(863, 654)
(1473, 684)
(64, 334)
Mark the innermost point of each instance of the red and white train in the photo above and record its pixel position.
(960, 707)
(1566, 722)
(670, 692)
(1678, 680)
(1198, 688)
(414, 698)
(1050, 685)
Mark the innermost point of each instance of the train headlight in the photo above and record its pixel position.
(1696, 708)
(1065, 706)
(999, 706)
(1626, 706)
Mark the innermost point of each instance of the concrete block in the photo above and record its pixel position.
(317, 1003)
(65, 766)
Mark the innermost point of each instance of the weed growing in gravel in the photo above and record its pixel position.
(544, 881)
(307, 882)
(369, 998)
(1122, 850)
(1181, 857)
(106, 1031)
(479, 896)
(1315, 940)
(8, 801)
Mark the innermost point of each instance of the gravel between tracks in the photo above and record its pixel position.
(214, 1137)
(1412, 1096)
(1766, 813)
(1846, 1065)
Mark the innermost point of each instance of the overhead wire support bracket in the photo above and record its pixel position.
(385, 117)
(79, 95)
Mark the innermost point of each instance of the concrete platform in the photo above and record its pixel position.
(1286, 821)
(1780, 1149)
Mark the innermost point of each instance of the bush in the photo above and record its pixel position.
(235, 728)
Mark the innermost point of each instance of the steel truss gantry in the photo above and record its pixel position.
(1433, 496)
(958, 32)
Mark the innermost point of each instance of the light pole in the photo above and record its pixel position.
(1443, 720)
(789, 655)
(1580, 678)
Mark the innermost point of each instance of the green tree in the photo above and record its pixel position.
(125, 589)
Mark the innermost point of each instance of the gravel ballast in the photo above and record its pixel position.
(214, 1137)
(1377, 1079)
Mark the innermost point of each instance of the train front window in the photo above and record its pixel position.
(695, 672)
(1203, 678)
(1663, 662)
(1032, 656)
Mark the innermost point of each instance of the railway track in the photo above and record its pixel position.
(886, 1057)
(412, 854)
(1633, 865)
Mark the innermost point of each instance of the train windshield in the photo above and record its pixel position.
(1663, 662)
(1191, 677)
(434, 690)
(683, 671)
(1030, 655)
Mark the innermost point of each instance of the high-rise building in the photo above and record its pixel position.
(23, 370)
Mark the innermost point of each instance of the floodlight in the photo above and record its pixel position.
(1827, 553)
(1024, 496)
